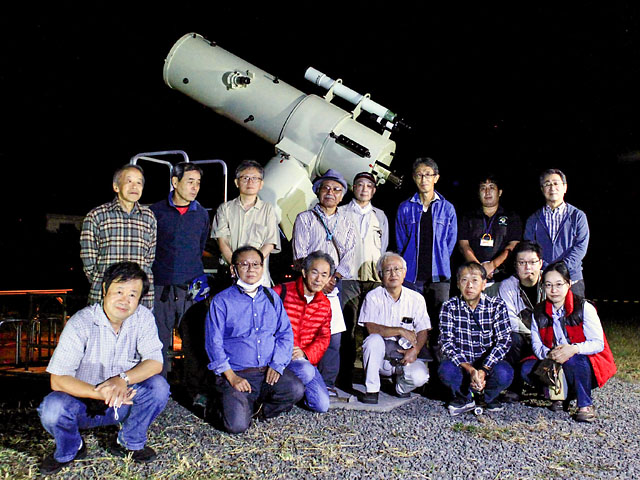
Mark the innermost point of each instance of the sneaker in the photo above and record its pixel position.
(456, 409)
(586, 414)
(332, 392)
(369, 397)
(494, 407)
(50, 465)
(144, 455)
(556, 406)
(200, 400)
(397, 394)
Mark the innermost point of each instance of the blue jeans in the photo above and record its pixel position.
(577, 370)
(458, 381)
(329, 364)
(316, 397)
(235, 408)
(63, 416)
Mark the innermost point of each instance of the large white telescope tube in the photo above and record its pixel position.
(310, 134)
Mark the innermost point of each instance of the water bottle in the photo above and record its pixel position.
(407, 324)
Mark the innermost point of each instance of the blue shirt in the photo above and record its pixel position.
(243, 332)
(468, 335)
(181, 241)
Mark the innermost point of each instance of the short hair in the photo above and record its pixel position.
(559, 267)
(246, 164)
(179, 169)
(386, 255)
(318, 255)
(123, 272)
(527, 246)
(124, 168)
(473, 266)
(427, 162)
(489, 178)
(245, 248)
(552, 171)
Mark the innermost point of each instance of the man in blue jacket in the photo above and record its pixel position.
(426, 232)
(183, 229)
(560, 228)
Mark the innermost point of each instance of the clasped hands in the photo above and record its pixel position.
(115, 392)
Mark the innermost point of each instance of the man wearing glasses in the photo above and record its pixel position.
(397, 322)
(521, 292)
(426, 231)
(249, 341)
(247, 220)
(560, 228)
(328, 228)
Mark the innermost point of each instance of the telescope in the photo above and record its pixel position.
(310, 133)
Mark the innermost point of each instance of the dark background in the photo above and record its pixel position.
(512, 90)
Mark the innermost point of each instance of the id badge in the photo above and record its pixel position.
(486, 241)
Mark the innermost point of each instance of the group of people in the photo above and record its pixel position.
(267, 349)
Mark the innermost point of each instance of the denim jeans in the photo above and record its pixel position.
(235, 408)
(316, 397)
(458, 381)
(329, 364)
(63, 416)
(578, 372)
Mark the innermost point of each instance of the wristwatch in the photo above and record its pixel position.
(124, 376)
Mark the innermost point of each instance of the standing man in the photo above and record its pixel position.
(392, 314)
(426, 230)
(560, 228)
(249, 341)
(521, 293)
(118, 231)
(183, 229)
(105, 371)
(372, 240)
(309, 311)
(247, 220)
(489, 234)
(475, 335)
(329, 229)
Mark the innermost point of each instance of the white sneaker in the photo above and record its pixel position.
(455, 410)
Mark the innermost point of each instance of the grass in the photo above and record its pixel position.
(624, 341)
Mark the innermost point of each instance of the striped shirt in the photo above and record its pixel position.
(110, 235)
(91, 351)
(334, 235)
(468, 335)
(553, 219)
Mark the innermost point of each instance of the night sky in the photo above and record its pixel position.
(507, 90)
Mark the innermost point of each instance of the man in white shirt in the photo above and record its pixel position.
(397, 322)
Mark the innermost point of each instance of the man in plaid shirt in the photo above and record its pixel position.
(118, 231)
(475, 335)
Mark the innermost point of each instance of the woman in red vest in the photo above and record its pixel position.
(567, 329)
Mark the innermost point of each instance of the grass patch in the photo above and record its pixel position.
(624, 341)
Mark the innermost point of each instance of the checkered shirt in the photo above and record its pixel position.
(110, 235)
(553, 219)
(468, 335)
(91, 351)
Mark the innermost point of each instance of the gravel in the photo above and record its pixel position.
(418, 440)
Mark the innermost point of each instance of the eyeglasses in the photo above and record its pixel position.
(557, 286)
(329, 189)
(244, 266)
(531, 263)
(421, 176)
(388, 271)
(249, 179)
(547, 185)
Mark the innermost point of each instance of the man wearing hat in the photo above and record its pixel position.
(372, 239)
(329, 229)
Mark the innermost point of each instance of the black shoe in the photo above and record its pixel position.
(397, 394)
(494, 407)
(511, 397)
(50, 465)
(369, 397)
(143, 455)
(556, 406)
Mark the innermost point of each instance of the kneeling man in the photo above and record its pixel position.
(397, 322)
(309, 311)
(105, 370)
(475, 336)
(249, 341)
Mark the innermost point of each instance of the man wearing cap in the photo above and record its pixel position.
(329, 229)
(372, 239)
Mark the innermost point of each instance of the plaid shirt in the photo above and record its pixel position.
(468, 335)
(553, 219)
(110, 235)
(91, 351)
